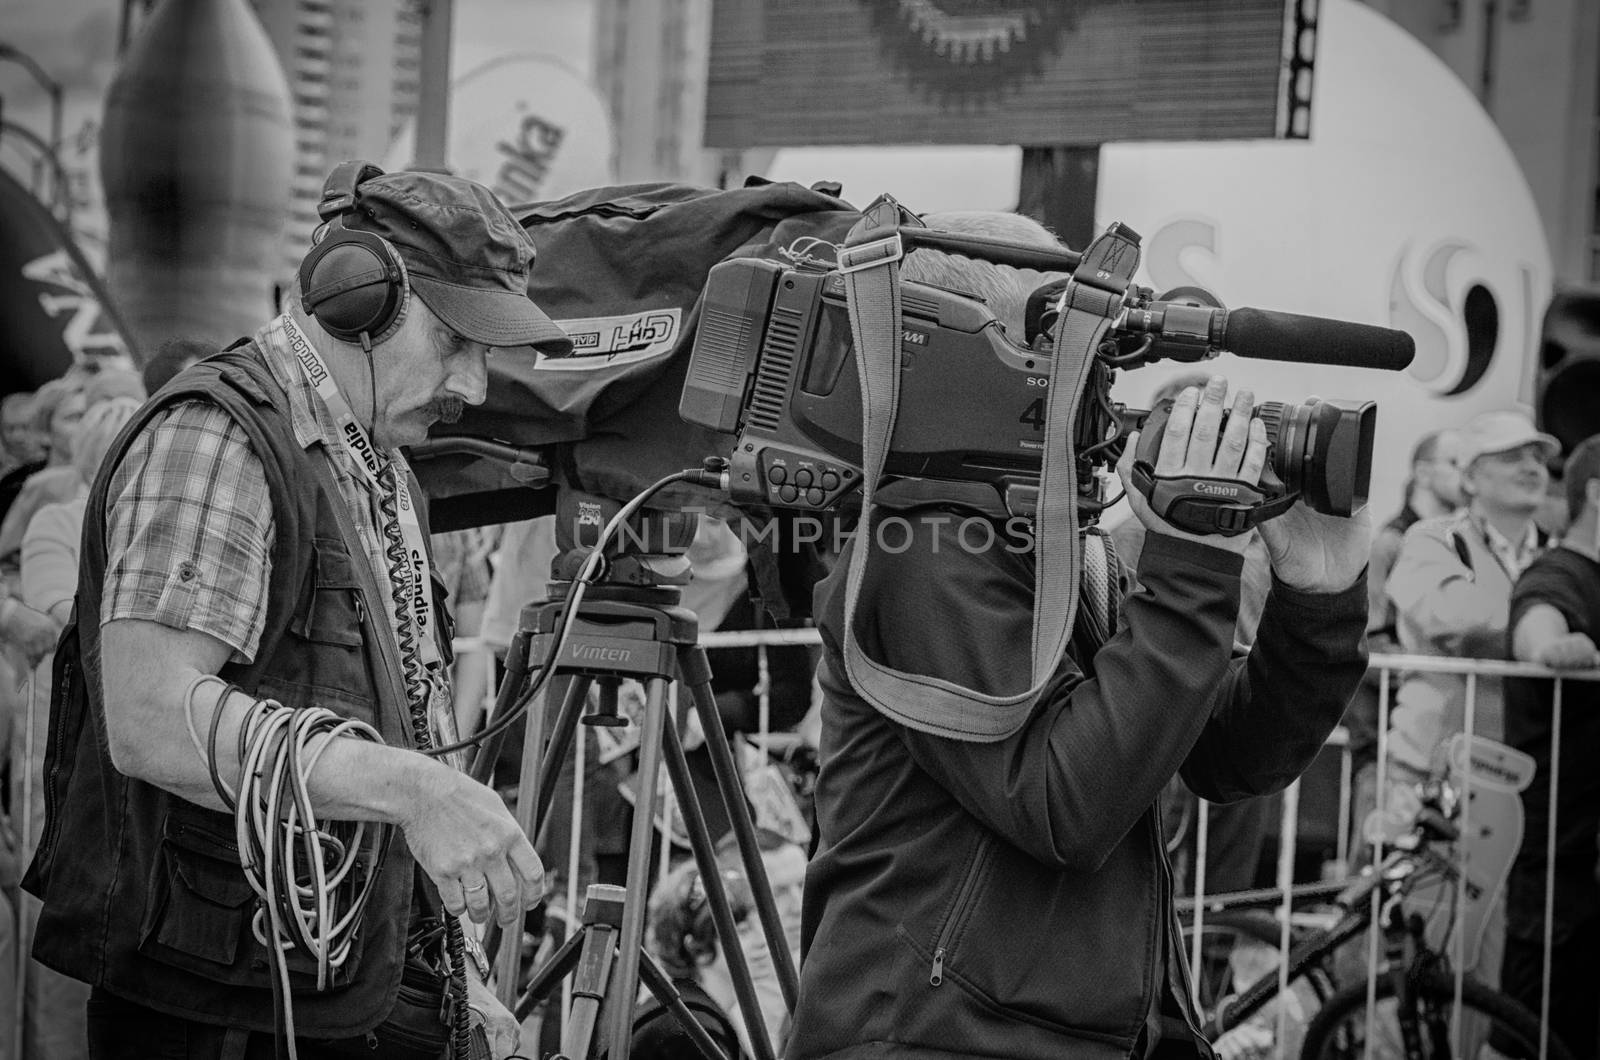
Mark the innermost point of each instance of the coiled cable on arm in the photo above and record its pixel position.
(307, 873)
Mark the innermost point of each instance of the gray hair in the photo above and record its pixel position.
(1003, 288)
(97, 430)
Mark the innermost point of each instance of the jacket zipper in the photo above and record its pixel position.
(964, 896)
(1166, 923)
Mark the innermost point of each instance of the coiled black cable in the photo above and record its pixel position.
(419, 694)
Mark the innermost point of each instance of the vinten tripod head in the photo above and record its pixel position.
(646, 560)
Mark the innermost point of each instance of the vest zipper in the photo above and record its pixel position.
(964, 896)
(68, 672)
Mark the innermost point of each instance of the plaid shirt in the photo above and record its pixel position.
(190, 518)
(189, 529)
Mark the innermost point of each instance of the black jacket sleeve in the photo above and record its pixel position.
(1275, 711)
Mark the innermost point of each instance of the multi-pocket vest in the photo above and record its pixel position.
(143, 894)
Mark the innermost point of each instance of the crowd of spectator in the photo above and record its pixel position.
(1493, 553)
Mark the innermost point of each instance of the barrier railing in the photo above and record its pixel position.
(1388, 666)
(1285, 889)
(475, 652)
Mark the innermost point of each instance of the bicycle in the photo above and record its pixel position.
(1242, 941)
(1416, 992)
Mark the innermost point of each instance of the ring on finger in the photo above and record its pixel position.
(475, 888)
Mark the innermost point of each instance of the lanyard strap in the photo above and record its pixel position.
(383, 479)
(920, 701)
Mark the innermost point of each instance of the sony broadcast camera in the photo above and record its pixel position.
(774, 364)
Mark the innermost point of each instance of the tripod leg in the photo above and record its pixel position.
(697, 675)
(644, 812)
(589, 988)
(705, 856)
(510, 688)
(530, 813)
(560, 745)
(562, 961)
(656, 979)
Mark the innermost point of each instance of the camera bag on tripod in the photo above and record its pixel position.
(622, 270)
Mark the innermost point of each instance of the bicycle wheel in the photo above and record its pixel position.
(1340, 1030)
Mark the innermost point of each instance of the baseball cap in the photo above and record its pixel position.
(466, 257)
(1500, 431)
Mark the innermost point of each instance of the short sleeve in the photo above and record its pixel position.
(1552, 581)
(189, 529)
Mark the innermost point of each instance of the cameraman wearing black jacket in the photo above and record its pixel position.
(1012, 898)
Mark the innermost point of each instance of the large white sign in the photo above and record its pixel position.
(1406, 208)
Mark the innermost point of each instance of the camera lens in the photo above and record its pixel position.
(1285, 427)
(1322, 451)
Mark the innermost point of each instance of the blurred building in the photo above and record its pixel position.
(1535, 67)
(354, 69)
(650, 64)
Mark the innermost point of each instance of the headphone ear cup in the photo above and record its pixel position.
(354, 284)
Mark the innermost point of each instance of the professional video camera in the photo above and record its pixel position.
(773, 362)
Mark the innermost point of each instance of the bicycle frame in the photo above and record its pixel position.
(1406, 949)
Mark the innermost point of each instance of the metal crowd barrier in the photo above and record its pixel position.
(1388, 667)
(472, 651)
(1286, 888)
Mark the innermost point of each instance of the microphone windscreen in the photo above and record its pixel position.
(1270, 335)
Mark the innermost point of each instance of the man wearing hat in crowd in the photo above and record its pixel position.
(1451, 588)
(1451, 583)
(254, 556)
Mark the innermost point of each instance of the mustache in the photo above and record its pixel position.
(447, 409)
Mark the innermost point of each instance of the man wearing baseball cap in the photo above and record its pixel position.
(1451, 582)
(1451, 587)
(256, 586)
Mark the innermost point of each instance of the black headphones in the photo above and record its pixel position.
(352, 282)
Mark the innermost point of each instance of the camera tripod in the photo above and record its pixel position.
(629, 624)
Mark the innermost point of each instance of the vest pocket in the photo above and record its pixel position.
(336, 608)
(201, 915)
(329, 663)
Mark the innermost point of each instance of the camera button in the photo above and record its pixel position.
(802, 478)
(830, 481)
(787, 494)
(815, 497)
(777, 474)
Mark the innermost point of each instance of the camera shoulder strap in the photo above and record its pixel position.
(869, 262)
